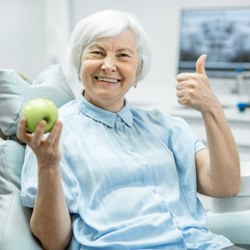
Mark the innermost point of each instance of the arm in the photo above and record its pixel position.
(50, 220)
(218, 168)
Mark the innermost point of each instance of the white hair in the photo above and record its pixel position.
(108, 23)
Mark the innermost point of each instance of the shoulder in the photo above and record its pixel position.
(159, 118)
(68, 109)
(169, 129)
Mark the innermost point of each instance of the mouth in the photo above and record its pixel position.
(107, 79)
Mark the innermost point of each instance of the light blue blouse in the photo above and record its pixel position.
(129, 180)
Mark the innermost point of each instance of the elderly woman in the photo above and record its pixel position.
(117, 177)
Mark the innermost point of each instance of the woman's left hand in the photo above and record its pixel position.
(194, 90)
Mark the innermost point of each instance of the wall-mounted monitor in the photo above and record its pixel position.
(222, 34)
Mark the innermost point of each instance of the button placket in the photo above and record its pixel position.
(119, 124)
(149, 180)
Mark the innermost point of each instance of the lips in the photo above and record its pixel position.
(107, 79)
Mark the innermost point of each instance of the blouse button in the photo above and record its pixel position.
(119, 125)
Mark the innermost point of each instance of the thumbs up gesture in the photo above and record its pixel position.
(194, 90)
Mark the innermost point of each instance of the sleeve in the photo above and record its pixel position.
(184, 140)
(29, 180)
(185, 145)
(175, 133)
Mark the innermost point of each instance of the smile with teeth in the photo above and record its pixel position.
(106, 79)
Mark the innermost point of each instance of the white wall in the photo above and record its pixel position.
(22, 36)
(33, 34)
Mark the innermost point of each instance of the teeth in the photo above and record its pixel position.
(107, 79)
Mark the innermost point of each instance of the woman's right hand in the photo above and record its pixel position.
(45, 147)
(52, 229)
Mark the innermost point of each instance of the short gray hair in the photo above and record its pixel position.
(108, 23)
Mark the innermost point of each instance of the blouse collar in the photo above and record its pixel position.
(104, 116)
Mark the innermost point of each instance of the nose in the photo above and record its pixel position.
(109, 64)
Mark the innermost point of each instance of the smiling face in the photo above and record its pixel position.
(109, 69)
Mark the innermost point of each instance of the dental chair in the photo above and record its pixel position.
(229, 216)
(15, 91)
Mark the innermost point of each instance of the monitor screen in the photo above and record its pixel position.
(222, 34)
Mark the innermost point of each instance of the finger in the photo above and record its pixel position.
(180, 85)
(180, 93)
(55, 133)
(200, 65)
(21, 131)
(38, 134)
(182, 100)
(187, 84)
(183, 77)
(59, 131)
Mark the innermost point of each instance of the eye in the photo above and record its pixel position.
(123, 55)
(97, 53)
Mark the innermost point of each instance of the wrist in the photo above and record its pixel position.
(213, 108)
(48, 170)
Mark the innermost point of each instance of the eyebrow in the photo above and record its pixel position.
(127, 49)
(94, 45)
(99, 46)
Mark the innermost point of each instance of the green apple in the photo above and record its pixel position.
(37, 110)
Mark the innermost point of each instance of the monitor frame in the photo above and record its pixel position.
(221, 33)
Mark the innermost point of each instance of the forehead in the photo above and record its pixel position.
(125, 40)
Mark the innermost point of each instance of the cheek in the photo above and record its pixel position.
(132, 71)
(85, 71)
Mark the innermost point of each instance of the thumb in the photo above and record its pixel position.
(200, 65)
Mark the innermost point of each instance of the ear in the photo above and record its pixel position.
(139, 69)
(79, 74)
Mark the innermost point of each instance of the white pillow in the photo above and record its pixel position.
(15, 92)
